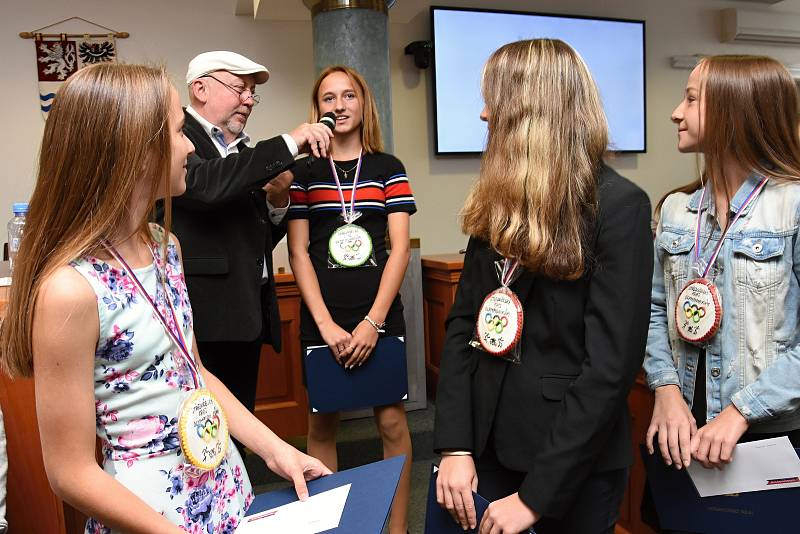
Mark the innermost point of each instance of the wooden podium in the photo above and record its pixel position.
(31, 506)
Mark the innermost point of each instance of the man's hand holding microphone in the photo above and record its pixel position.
(313, 139)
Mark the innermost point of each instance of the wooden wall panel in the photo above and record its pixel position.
(281, 400)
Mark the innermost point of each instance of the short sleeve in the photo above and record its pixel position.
(298, 199)
(397, 190)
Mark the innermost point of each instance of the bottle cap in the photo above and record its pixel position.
(19, 207)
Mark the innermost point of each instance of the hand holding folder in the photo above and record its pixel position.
(380, 381)
(367, 502)
(680, 507)
(438, 520)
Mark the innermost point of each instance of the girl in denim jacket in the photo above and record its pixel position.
(728, 370)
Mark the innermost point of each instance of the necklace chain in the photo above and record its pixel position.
(347, 171)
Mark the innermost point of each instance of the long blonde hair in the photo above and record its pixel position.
(547, 135)
(751, 115)
(371, 138)
(107, 131)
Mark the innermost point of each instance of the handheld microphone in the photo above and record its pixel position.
(329, 120)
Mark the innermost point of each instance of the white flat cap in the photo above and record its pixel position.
(209, 62)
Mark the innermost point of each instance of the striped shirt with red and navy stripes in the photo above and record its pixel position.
(382, 189)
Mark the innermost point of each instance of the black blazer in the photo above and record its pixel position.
(225, 234)
(562, 413)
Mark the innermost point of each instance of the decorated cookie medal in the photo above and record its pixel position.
(350, 245)
(500, 321)
(698, 311)
(203, 430)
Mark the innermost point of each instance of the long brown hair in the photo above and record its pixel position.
(106, 133)
(547, 136)
(371, 138)
(751, 115)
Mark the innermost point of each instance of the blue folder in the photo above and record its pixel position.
(379, 381)
(367, 508)
(438, 520)
(680, 507)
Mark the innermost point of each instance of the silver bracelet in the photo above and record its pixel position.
(378, 327)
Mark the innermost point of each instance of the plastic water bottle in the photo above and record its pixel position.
(15, 228)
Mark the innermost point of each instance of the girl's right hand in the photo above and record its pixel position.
(675, 425)
(455, 483)
(337, 339)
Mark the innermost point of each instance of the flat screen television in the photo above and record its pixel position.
(463, 39)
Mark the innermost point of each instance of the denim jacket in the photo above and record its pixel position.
(753, 361)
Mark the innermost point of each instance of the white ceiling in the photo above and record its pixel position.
(404, 10)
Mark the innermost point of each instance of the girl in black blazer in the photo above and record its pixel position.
(546, 438)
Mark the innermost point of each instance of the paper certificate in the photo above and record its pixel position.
(319, 513)
(757, 465)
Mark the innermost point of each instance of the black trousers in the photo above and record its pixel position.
(595, 510)
(235, 363)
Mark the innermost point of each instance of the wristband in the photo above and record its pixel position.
(377, 326)
(455, 453)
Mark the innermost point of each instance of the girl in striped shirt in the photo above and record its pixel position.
(351, 297)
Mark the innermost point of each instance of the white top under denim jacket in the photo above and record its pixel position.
(754, 359)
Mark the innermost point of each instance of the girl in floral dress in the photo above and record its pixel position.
(97, 304)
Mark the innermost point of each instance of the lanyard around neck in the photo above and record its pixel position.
(348, 217)
(506, 275)
(747, 201)
(175, 335)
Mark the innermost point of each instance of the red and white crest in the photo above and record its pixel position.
(57, 59)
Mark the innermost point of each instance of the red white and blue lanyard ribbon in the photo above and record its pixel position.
(747, 201)
(348, 218)
(176, 334)
(509, 266)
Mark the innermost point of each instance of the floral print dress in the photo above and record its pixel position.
(138, 393)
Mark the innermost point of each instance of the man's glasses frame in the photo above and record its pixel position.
(239, 92)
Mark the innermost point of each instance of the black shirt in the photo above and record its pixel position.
(382, 189)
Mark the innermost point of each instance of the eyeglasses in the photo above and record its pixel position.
(243, 93)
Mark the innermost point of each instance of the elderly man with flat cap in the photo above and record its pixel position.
(231, 216)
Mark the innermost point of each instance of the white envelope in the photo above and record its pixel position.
(757, 465)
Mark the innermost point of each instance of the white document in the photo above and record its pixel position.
(319, 513)
(757, 465)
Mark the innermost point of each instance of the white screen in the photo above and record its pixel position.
(464, 40)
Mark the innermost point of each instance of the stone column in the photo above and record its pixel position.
(356, 33)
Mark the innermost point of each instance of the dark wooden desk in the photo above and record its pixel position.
(440, 275)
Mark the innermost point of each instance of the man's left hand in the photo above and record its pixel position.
(713, 444)
(508, 516)
(277, 189)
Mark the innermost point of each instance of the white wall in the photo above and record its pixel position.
(173, 31)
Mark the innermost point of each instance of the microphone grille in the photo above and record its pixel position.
(329, 120)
